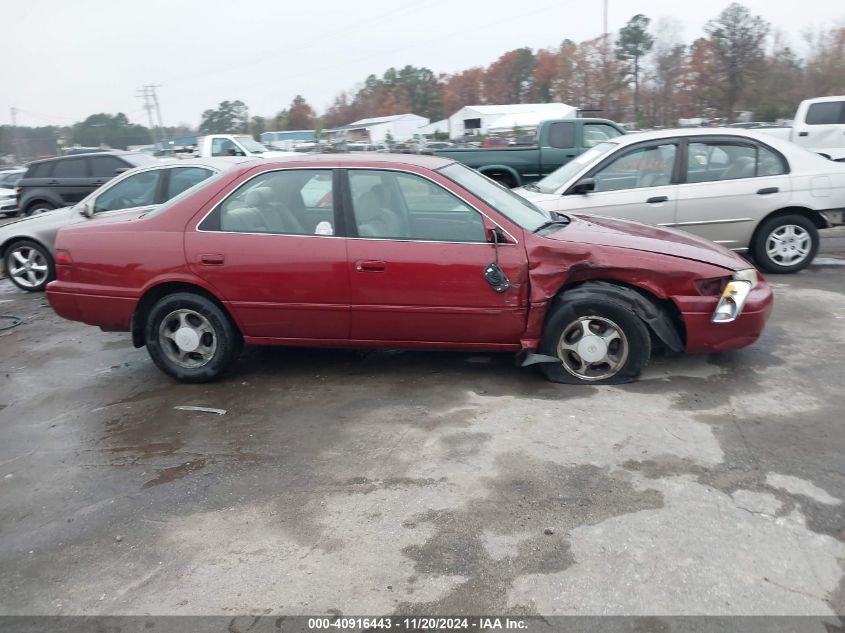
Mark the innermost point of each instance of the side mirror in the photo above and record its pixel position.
(87, 210)
(583, 186)
(495, 234)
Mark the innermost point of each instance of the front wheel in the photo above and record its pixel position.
(785, 243)
(29, 266)
(190, 338)
(597, 341)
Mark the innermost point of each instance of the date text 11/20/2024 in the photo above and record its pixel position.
(417, 623)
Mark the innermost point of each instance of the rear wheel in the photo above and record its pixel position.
(190, 338)
(597, 341)
(29, 265)
(38, 207)
(785, 243)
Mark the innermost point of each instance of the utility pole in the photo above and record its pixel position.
(152, 89)
(16, 135)
(146, 94)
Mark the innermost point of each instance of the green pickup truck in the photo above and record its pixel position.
(558, 142)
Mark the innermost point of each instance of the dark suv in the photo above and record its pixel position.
(60, 182)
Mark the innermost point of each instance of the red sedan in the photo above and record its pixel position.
(411, 252)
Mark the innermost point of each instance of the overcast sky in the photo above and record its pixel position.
(64, 60)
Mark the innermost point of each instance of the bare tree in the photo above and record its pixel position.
(738, 43)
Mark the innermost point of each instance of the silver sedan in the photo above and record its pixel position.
(746, 190)
(26, 246)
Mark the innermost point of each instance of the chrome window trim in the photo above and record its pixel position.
(702, 222)
(346, 237)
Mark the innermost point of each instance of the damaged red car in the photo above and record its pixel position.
(399, 252)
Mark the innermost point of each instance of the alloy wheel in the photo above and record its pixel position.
(593, 348)
(28, 266)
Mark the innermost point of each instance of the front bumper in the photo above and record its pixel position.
(702, 335)
(9, 207)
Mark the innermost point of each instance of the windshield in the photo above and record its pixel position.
(250, 145)
(559, 177)
(174, 200)
(510, 205)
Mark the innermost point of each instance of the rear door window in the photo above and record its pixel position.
(72, 168)
(286, 202)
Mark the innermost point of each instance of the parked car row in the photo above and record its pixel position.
(386, 250)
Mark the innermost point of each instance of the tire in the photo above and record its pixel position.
(29, 265)
(207, 328)
(626, 356)
(38, 207)
(780, 240)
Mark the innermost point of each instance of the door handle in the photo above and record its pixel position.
(99, 182)
(767, 190)
(212, 259)
(803, 134)
(369, 266)
(657, 199)
(53, 182)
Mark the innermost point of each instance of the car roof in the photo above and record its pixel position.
(220, 163)
(114, 152)
(656, 135)
(368, 158)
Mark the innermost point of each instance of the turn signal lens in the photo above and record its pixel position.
(63, 258)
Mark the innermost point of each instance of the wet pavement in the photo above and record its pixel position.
(378, 483)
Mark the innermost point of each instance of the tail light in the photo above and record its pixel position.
(63, 257)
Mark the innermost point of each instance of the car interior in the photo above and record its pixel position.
(386, 204)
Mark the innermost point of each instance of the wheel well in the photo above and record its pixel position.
(5, 246)
(664, 313)
(503, 177)
(32, 203)
(151, 296)
(814, 216)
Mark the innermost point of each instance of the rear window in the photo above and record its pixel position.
(829, 113)
(73, 168)
(39, 170)
(106, 166)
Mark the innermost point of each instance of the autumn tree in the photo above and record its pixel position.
(462, 89)
(545, 73)
(300, 115)
(508, 79)
(738, 44)
(633, 43)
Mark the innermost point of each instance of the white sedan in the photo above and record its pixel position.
(748, 191)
